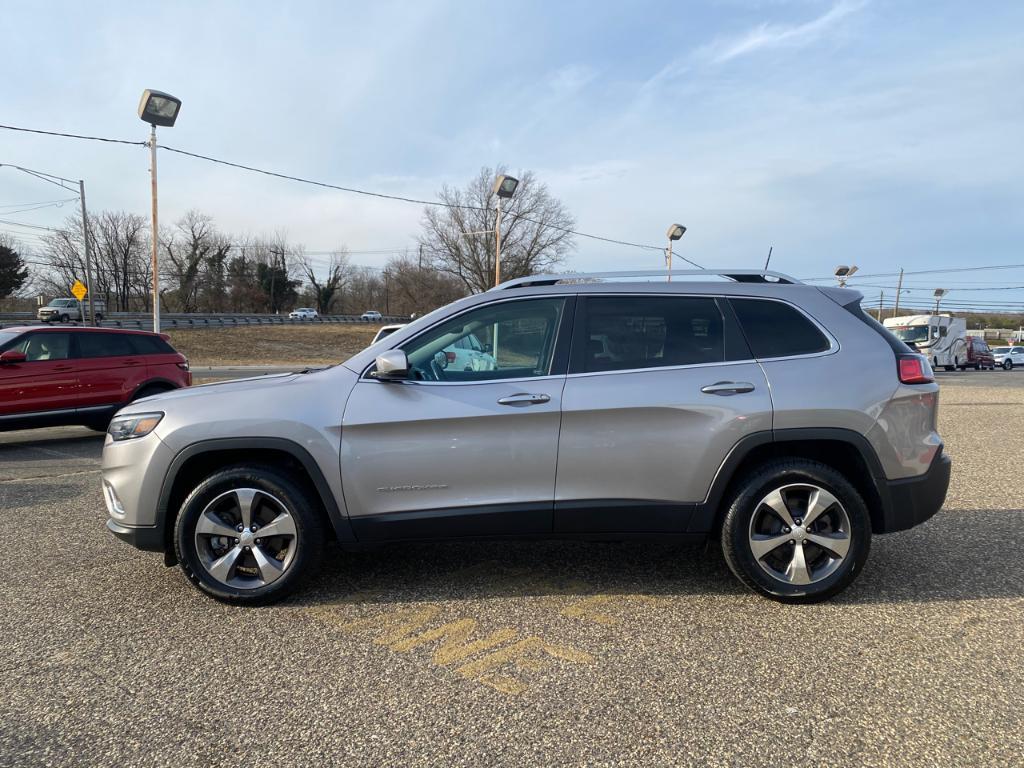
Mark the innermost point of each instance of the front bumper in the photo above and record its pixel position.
(913, 500)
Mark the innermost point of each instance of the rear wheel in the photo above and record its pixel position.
(796, 531)
(248, 535)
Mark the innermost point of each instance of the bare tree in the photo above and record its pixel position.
(416, 287)
(326, 290)
(195, 251)
(535, 231)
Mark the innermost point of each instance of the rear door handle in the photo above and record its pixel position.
(523, 398)
(63, 367)
(727, 388)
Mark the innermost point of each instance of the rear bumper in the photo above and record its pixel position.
(913, 500)
(149, 538)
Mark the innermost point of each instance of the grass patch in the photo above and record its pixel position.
(270, 344)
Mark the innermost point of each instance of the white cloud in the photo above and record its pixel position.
(768, 36)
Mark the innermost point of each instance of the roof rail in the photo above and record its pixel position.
(739, 275)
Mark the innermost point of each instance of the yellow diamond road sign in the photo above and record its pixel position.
(79, 290)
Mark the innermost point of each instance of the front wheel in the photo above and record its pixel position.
(64, 318)
(796, 531)
(248, 535)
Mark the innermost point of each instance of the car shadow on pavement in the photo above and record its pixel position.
(29, 446)
(958, 555)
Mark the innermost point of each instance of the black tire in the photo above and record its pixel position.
(152, 389)
(1008, 365)
(64, 318)
(977, 366)
(304, 511)
(744, 503)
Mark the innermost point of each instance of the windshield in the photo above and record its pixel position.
(1001, 350)
(6, 337)
(913, 333)
(60, 303)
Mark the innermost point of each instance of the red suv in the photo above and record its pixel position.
(56, 376)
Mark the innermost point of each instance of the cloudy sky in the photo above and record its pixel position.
(881, 133)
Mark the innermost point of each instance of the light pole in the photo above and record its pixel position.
(939, 293)
(675, 232)
(504, 187)
(156, 108)
(844, 273)
(60, 181)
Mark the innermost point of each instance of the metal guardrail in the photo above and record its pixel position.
(174, 320)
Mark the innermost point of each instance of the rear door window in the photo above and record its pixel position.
(636, 332)
(775, 329)
(105, 345)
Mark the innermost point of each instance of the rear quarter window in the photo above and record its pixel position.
(150, 345)
(775, 329)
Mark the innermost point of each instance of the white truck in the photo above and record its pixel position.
(66, 310)
(940, 338)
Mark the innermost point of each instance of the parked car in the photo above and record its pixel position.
(70, 375)
(978, 354)
(66, 310)
(372, 314)
(303, 313)
(385, 331)
(704, 416)
(1008, 357)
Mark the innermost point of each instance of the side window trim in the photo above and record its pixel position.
(559, 358)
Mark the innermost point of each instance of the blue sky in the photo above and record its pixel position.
(881, 133)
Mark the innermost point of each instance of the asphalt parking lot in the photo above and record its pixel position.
(519, 653)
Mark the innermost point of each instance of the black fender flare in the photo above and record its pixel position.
(339, 522)
(704, 517)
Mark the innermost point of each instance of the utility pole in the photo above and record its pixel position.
(497, 246)
(899, 287)
(88, 252)
(881, 298)
(156, 232)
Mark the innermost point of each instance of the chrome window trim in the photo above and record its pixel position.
(365, 375)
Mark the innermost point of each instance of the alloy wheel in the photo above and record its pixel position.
(799, 534)
(246, 538)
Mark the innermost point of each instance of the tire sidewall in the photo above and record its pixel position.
(737, 525)
(308, 540)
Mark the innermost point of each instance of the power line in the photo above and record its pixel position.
(416, 201)
(72, 135)
(352, 190)
(924, 272)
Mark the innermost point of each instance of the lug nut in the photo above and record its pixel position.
(247, 549)
(791, 542)
(785, 530)
(254, 528)
(239, 528)
(259, 541)
(797, 521)
(236, 541)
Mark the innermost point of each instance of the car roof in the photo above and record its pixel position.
(80, 329)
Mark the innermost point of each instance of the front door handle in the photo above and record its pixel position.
(523, 398)
(63, 367)
(727, 388)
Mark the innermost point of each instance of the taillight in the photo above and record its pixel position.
(184, 365)
(914, 369)
(450, 356)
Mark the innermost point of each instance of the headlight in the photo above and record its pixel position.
(133, 425)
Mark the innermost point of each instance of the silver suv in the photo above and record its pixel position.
(775, 416)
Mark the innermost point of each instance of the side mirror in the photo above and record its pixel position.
(12, 356)
(392, 365)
